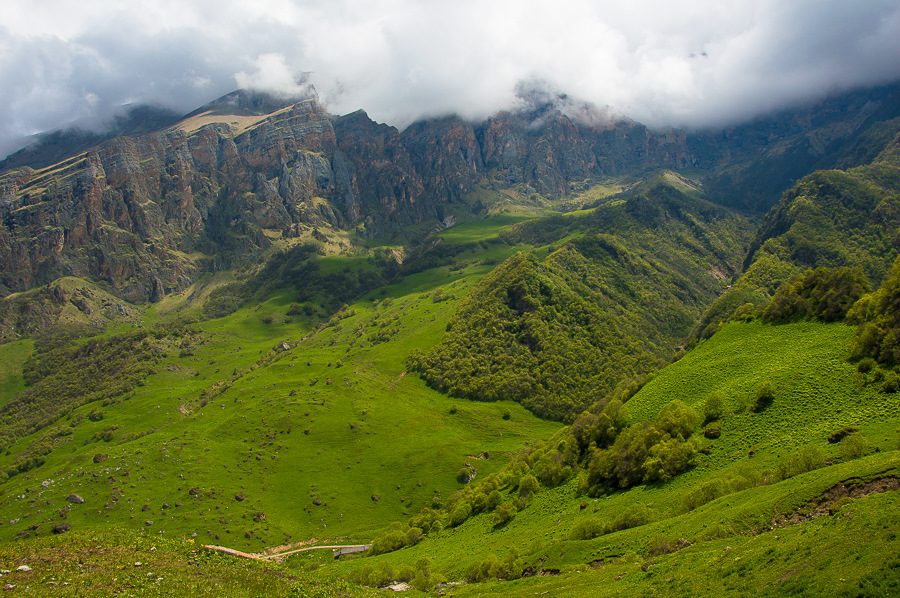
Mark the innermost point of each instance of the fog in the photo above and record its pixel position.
(691, 64)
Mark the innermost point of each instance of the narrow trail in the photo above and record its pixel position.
(359, 547)
(273, 556)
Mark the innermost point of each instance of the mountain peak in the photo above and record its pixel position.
(249, 102)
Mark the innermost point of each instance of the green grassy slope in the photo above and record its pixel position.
(12, 360)
(226, 414)
(817, 393)
(117, 562)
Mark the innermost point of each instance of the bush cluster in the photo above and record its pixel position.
(594, 527)
(878, 314)
(824, 294)
(646, 452)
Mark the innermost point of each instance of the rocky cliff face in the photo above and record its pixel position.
(145, 214)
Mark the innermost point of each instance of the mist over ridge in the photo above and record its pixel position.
(691, 65)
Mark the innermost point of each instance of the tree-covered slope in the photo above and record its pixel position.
(620, 288)
(831, 218)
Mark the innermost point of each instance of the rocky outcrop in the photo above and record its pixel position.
(145, 213)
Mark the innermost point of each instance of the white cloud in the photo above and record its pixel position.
(691, 63)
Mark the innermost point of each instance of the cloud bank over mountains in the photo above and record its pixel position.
(693, 63)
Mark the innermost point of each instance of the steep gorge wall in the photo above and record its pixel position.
(145, 215)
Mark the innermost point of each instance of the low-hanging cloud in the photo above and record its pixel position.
(693, 63)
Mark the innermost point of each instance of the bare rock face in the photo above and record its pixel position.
(127, 211)
(145, 213)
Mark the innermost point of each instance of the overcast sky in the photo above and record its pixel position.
(662, 62)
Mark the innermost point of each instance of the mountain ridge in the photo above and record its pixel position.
(220, 192)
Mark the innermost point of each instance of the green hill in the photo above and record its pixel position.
(618, 290)
(829, 219)
(769, 488)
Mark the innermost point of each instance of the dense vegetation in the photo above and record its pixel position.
(604, 307)
(834, 219)
(822, 294)
(519, 335)
(879, 316)
(318, 292)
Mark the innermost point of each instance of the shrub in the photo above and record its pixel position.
(765, 395)
(713, 489)
(841, 434)
(504, 513)
(855, 446)
(677, 420)
(413, 535)
(865, 365)
(493, 568)
(108, 433)
(660, 545)
(587, 529)
(388, 542)
(635, 516)
(528, 485)
(460, 514)
(713, 407)
(891, 383)
(712, 431)
(668, 458)
(463, 476)
(806, 459)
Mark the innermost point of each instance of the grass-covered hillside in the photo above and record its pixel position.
(790, 498)
(322, 399)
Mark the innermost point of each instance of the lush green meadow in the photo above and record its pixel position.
(12, 360)
(773, 532)
(287, 418)
(256, 406)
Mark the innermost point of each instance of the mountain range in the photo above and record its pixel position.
(553, 351)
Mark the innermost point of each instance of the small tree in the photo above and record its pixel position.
(765, 396)
(461, 513)
(529, 485)
(504, 513)
(855, 446)
(713, 407)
